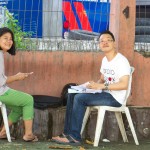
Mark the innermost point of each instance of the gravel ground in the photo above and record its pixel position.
(44, 145)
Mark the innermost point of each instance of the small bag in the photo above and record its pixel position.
(64, 93)
(42, 102)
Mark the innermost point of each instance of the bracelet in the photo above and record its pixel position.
(106, 86)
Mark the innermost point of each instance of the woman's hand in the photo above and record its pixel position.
(22, 76)
(17, 77)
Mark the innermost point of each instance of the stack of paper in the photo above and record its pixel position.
(82, 89)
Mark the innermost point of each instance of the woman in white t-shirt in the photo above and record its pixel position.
(20, 104)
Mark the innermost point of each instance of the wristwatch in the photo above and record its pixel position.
(106, 85)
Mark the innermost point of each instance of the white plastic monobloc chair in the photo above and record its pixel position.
(118, 110)
(5, 119)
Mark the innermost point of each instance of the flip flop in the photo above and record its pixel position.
(62, 135)
(34, 139)
(4, 137)
(71, 141)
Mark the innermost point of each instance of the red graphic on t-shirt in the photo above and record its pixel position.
(109, 78)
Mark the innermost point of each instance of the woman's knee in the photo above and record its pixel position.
(30, 100)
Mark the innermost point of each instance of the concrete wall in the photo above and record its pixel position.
(52, 70)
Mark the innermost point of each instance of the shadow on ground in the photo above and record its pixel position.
(44, 145)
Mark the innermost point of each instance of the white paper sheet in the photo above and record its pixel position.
(82, 89)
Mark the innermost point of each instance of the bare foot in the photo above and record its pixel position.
(30, 138)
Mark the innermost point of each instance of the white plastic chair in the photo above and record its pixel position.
(4, 114)
(118, 110)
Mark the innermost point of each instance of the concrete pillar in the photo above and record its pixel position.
(52, 18)
(123, 27)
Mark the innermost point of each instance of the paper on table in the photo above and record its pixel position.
(83, 89)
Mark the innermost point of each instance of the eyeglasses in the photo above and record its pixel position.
(108, 41)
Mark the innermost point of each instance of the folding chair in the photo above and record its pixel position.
(118, 110)
(4, 114)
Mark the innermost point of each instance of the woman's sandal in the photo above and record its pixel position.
(71, 141)
(4, 137)
(33, 139)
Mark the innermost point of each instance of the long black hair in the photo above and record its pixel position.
(4, 30)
